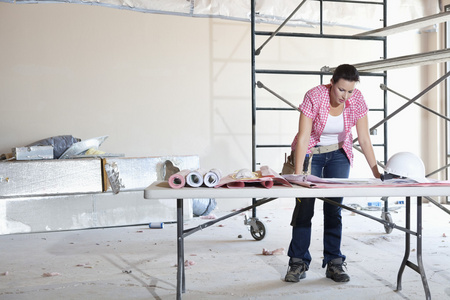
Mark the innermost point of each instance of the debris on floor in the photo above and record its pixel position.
(51, 274)
(209, 217)
(279, 251)
(189, 263)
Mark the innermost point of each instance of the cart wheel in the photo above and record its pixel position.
(387, 217)
(258, 233)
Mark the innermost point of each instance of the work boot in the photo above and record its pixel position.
(296, 271)
(335, 270)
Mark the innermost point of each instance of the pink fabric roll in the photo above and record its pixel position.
(178, 180)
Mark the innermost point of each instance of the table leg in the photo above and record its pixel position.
(419, 267)
(419, 249)
(407, 243)
(181, 284)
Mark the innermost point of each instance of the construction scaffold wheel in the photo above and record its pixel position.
(259, 232)
(257, 228)
(387, 217)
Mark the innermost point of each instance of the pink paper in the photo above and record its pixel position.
(178, 180)
(311, 181)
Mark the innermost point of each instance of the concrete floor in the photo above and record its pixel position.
(136, 262)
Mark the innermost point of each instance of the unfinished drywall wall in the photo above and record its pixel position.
(142, 79)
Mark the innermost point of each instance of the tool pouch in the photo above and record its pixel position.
(288, 166)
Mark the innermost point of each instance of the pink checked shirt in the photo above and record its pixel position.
(316, 105)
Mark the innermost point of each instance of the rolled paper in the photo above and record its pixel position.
(212, 177)
(267, 183)
(235, 184)
(178, 180)
(195, 178)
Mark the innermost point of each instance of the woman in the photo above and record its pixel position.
(328, 113)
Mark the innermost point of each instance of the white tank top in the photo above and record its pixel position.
(333, 132)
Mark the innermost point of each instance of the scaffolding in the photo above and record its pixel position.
(366, 69)
(371, 68)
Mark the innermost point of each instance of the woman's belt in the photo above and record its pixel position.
(327, 148)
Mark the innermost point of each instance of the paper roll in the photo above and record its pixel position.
(195, 178)
(267, 183)
(178, 180)
(212, 177)
(235, 184)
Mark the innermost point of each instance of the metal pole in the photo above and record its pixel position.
(384, 222)
(407, 244)
(253, 71)
(421, 269)
(437, 204)
(181, 283)
(438, 170)
(258, 51)
(384, 87)
(357, 148)
(253, 85)
(411, 101)
(261, 85)
(408, 103)
(385, 127)
(321, 17)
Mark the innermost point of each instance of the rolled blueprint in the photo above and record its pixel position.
(267, 183)
(212, 177)
(195, 178)
(178, 180)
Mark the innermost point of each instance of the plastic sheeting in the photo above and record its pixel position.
(365, 15)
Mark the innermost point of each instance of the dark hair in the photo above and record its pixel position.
(347, 72)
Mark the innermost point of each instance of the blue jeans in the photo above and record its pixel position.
(333, 164)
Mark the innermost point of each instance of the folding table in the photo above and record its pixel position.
(161, 190)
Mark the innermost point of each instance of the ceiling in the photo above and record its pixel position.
(364, 14)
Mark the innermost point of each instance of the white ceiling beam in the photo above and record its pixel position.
(409, 25)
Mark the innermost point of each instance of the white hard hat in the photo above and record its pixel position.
(406, 164)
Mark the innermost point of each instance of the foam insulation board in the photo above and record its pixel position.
(83, 211)
(50, 177)
(137, 173)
